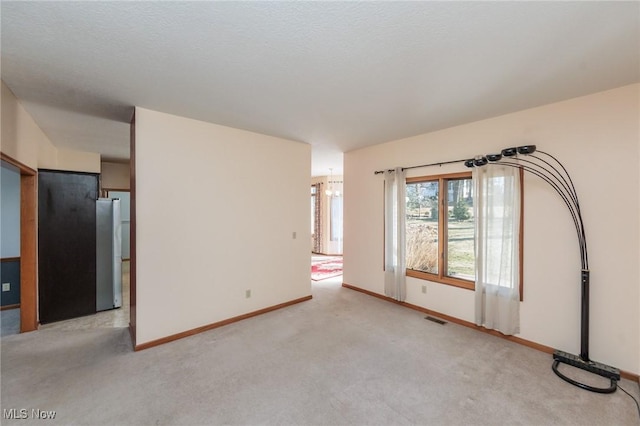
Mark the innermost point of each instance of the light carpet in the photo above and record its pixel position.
(342, 358)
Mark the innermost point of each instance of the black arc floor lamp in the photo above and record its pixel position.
(552, 171)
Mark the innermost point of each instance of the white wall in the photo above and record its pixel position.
(216, 211)
(23, 140)
(20, 135)
(9, 212)
(596, 137)
(69, 159)
(115, 175)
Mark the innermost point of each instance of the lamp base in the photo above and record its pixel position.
(600, 369)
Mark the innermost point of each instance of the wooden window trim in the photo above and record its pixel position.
(469, 285)
(521, 236)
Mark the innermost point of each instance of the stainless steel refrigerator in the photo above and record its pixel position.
(108, 254)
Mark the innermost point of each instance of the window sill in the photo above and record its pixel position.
(468, 285)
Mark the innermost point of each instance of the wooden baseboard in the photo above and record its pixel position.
(217, 324)
(518, 340)
(7, 307)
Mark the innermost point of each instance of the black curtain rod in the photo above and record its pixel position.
(423, 165)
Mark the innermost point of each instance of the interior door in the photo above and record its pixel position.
(66, 244)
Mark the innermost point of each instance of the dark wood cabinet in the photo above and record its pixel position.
(66, 244)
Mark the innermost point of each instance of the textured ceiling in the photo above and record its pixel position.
(337, 75)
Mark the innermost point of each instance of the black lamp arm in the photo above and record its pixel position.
(579, 213)
(566, 173)
(556, 175)
(577, 220)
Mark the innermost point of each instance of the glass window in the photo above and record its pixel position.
(336, 219)
(460, 261)
(440, 229)
(422, 226)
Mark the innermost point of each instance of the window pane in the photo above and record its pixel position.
(422, 226)
(460, 230)
(336, 219)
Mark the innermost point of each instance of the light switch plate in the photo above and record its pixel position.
(6, 286)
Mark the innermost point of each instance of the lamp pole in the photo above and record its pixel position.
(553, 172)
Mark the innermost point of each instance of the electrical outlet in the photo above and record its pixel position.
(295, 234)
(424, 289)
(247, 293)
(6, 286)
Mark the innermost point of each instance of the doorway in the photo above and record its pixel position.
(27, 240)
(10, 249)
(326, 215)
(112, 318)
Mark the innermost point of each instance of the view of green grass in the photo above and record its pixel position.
(461, 258)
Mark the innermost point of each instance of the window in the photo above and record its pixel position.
(439, 246)
(440, 229)
(336, 219)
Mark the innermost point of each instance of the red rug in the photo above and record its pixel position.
(326, 268)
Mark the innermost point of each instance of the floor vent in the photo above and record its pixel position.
(436, 320)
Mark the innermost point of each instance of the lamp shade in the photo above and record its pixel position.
(509, 152)
(526, 149)
(480, 161)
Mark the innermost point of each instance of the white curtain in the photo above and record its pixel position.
(497, 219)
(394, 223)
